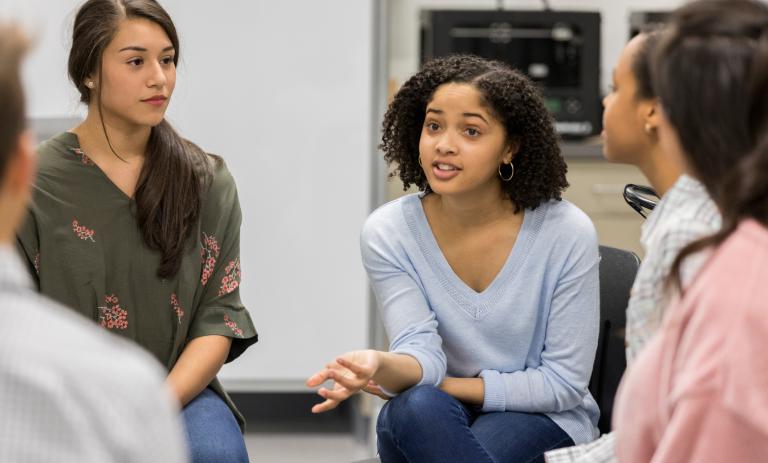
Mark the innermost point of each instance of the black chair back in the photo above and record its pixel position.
(617, 273)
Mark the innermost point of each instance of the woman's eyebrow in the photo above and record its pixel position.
(475, 115)
(142, 49)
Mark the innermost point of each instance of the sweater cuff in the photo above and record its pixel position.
(494, 399)
(387, 393)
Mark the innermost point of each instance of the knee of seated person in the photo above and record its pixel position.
(219, 452)
(219, 442)
(412, 406)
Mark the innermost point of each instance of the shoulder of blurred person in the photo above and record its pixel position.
(685, 213)
(70, 392)
(697, 392)
(725, 308)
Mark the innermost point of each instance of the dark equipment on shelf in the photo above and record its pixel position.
(640, 21)
(559, 50)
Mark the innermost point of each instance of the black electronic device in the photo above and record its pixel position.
(559, 50)
(642, 20)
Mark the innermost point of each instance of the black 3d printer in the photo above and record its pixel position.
(559, 50)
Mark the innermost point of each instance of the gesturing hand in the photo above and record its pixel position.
(350, 373)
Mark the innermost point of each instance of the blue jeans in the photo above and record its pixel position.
(424, 424)
(213, 435)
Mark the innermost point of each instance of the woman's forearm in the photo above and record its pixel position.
(198, 364)
(397, 372)
(468, 390)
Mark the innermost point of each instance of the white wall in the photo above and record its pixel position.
(404, 26)
(49, 93)
(284, 91)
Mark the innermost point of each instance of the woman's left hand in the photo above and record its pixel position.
(351, 372)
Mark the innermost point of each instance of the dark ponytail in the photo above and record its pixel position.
(711, 74)
(175, 171)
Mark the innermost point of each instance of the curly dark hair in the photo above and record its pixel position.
(511, 97)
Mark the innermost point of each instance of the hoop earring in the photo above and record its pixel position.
(419, 158)
(511, 172)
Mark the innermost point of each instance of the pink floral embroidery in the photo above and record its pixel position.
(231, 280)
(208, 255)
(36, 262)
(83, 157)
(82, 232)
(177, 307)
(233, 326)
(111, 315)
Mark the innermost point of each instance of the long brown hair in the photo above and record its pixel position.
(175, 171)
(13, 45)
(711, 74)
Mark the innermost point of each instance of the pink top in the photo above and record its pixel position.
(699, 390)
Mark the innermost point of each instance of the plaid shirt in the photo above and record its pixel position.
(685, 214)
(71, 392)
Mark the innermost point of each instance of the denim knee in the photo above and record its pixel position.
(413, 409)
(219, 454)
(212, 431)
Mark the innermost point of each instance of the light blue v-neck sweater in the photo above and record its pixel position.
(531, 335)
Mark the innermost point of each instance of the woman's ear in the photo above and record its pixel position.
(651, 115)
(90, 82)
(513, 146)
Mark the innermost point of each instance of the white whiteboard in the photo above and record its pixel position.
(284, 91)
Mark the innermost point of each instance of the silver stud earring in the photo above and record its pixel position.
(648, 128)
(90, 84)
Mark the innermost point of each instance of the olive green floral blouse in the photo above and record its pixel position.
(85, 250)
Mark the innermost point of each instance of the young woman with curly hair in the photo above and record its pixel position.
(487, 281)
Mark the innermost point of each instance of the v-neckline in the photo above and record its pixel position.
(511, 264)
(75, 144)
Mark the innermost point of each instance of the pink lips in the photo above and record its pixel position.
(156, 100)
(444, 174)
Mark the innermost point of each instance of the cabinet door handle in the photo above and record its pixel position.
(608, 189)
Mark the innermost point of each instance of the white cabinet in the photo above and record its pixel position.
(596, 188)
